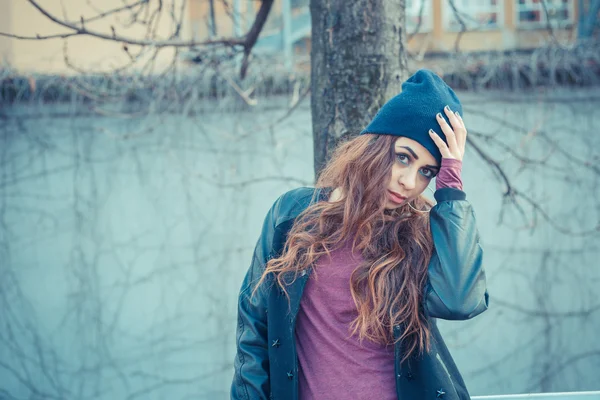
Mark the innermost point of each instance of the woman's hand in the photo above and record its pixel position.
(456, 136)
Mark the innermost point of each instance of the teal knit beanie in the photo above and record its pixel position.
(413, 112)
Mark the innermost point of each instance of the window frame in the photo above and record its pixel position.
(543, 23)
(448, 17)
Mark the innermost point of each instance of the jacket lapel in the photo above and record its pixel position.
(296, 288)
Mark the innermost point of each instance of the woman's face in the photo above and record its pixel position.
(413, 169)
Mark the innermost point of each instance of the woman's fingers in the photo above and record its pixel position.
(463, 137)
(450, 135)
(440, 144)
(456, 134)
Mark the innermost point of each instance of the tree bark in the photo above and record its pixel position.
(358, 62)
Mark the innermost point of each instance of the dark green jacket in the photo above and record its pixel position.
(266, 363)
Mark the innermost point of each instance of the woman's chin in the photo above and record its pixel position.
(391, 205)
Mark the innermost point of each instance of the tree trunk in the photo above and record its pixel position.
(358, 62)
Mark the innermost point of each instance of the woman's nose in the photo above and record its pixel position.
(408, 181)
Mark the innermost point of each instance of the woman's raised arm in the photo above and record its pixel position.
(456, 288)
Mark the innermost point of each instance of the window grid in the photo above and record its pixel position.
(530, 13)
(476, 14)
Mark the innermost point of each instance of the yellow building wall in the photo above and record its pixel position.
(5, 26)
(87, 53)
(506, 37)
(96, 55)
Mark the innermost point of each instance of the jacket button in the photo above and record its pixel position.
(276, 343)
(290, 375)
(440, 394)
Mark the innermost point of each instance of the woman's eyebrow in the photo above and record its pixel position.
(411, 152)
(416, 157)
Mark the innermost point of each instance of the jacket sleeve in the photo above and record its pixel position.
(251, 364)
(456, 287)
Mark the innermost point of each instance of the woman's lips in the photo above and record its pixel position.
(396, 198)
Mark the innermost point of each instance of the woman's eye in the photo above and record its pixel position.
(402, 158)
(427, 173)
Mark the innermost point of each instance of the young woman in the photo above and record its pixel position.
(347, 278)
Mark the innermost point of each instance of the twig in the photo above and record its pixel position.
(232, 41)
(252, 36)
(115, 11)
(418, 27)
(463, 25)
(548, 24)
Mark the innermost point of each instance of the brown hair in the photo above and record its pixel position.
(396, 245)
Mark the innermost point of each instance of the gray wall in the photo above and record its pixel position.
(124, 239)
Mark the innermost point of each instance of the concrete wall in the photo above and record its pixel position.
(124, 242)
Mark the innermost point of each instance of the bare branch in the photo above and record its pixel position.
(116, 11)
(463, 25)
(419, 23)
(548, 24)
(512, 195)
(252, 36)
(151, 19)
(39, 37)
(232, 41)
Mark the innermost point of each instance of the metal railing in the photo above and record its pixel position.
(544, 396)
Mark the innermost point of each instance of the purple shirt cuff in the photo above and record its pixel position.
(449, 175)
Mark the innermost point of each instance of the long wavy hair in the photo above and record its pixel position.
(396, 245)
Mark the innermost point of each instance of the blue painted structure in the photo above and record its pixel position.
(272, 42)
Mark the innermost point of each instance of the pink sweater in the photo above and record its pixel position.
(332, 363)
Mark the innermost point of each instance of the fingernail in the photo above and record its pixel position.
(457, 114)
(431, 132)
(447, 108)
(439, 115)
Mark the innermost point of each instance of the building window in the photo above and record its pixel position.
(476, 14)
(418, 11)
(531, 13)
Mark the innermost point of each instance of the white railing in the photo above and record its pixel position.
(544, 396)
